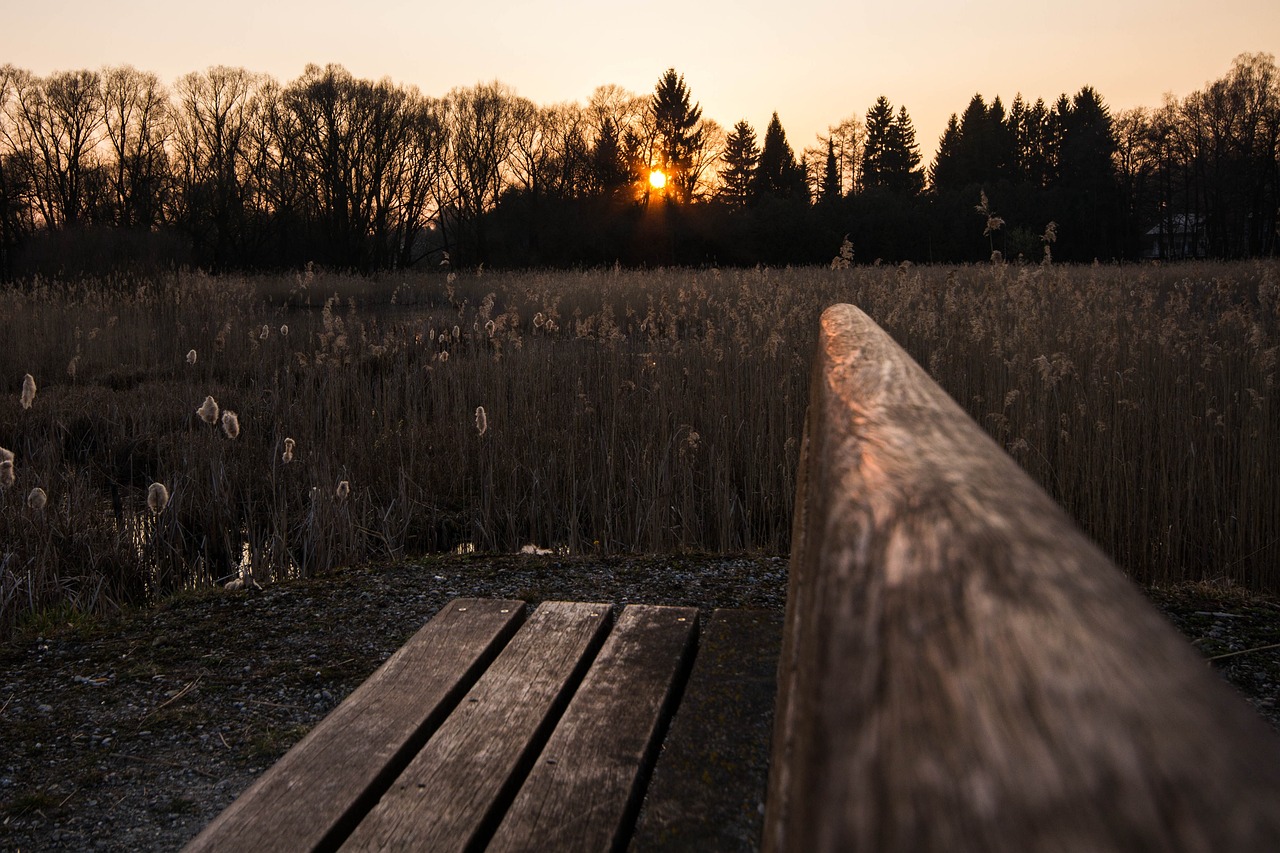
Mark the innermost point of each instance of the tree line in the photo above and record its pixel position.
(228, 169)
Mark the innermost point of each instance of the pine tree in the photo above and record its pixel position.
(778, 174)
(904, 171)
(831, 189)
(678, 135)
(741, 156)
(608, 161)
(875, 156)
(945, 173)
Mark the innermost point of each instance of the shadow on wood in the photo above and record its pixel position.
(963, 669)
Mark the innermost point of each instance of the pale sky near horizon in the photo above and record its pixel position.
(813, 61)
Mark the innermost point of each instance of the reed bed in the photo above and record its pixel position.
(600, 411)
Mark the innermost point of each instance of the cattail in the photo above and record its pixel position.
(157, 498)
(482, 420)
(191, 357)
(490, 327)
(6, 455)
(28, 390)
(457, 333)
(539, 320)
(230, 424)
(284, 331)
(37, 499)
(287, 456)
(344, 489)
(266, 332)
(7, 477)
(208, 410)
(444, 356)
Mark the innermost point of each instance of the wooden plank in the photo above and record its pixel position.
(964, 669)
(451, 795)
(313, 796)
(708, 787)
(584, 790)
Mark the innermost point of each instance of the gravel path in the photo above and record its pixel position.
(132, 733)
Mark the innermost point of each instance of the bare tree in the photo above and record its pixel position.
(482, 123)
(53, 129)
(134, 108)
(212, 119)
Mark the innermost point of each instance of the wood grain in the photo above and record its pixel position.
(584, 790)
(963, 669)
(313, 796)
(454, 791)
(708, 786)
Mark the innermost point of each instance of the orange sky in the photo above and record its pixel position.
(814, 61)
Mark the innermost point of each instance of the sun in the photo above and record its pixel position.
(657, 180)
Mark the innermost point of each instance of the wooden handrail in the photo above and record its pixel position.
(963, 669)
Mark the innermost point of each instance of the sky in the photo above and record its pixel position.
(815, 62)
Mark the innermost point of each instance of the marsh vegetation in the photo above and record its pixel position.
(603, 411)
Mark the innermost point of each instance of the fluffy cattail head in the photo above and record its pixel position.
(284, 331)
(36, 499)
(208, 410)
(230, 424)
(344, 489)
(7, 477)
(28, 390)
(266, 332)
(157, 498)
(6, 455)
(482, 420)
(287, 456)
(191, 357)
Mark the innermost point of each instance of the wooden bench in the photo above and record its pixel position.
(501, 730)
(961, 669)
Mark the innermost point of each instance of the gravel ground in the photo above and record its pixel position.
(133, 733)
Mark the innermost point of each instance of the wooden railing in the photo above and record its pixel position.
(962, 669)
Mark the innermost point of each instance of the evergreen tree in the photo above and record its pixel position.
(608, 161)
(875, 156)
(905, 175)
(678, 135)
(1086, 171)
(778, 174)
(741, 156)
(945, 174)
(830, 189)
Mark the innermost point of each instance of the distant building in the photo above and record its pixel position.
(1179, 236)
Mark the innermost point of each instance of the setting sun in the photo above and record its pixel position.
(657, 180)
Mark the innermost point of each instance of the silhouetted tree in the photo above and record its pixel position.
(1086, 173)
(891, 157)
(211, 120)
(134, 106)
(678, 136)
(777, 173)
(608, 162)
(481, 134)
(831, 189)
(741, 157)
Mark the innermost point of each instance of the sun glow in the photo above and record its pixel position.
(657, 180)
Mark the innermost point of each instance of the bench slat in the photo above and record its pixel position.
(451, 793)
(584, 791)
(708, 787)
(325, 784)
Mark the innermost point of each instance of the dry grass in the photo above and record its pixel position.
(622, 412)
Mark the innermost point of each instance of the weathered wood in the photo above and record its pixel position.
(963, 669)
(452, 793)
(583, 792)
(313, 795)
(708, 787)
